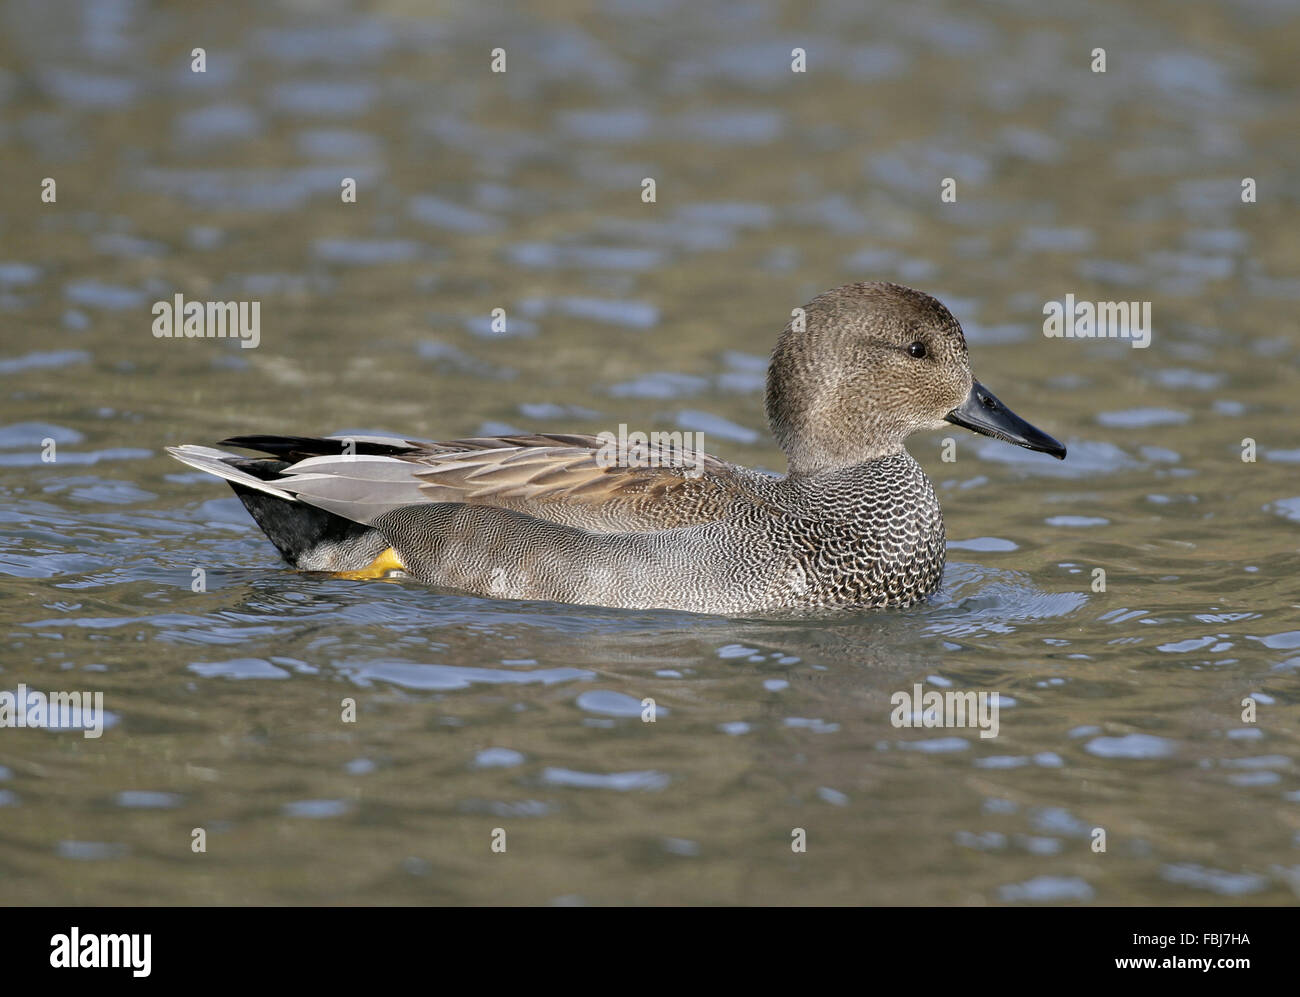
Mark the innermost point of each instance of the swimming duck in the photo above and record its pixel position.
(853, 524)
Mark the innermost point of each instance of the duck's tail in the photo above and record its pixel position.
(307, 537)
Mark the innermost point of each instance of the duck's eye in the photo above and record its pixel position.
(917, 349)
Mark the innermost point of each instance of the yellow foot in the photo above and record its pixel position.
(384, 564)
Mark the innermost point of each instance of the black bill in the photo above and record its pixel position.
(983, 413)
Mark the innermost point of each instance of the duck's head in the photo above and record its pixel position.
(859, 369)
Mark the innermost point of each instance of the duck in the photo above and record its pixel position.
(854, 523)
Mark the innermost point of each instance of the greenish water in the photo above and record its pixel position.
(1120, 710)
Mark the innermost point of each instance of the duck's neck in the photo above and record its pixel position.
(807, 460)
(870, 466)
(891, 488)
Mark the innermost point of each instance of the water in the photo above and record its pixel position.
(1120, 709)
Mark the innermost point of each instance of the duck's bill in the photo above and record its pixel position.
(983, 413)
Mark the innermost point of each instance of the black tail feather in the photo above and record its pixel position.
(295, 527)
(295, 448)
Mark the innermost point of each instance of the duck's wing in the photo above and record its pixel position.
(567, 478)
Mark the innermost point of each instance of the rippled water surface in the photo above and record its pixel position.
(1121, 709)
